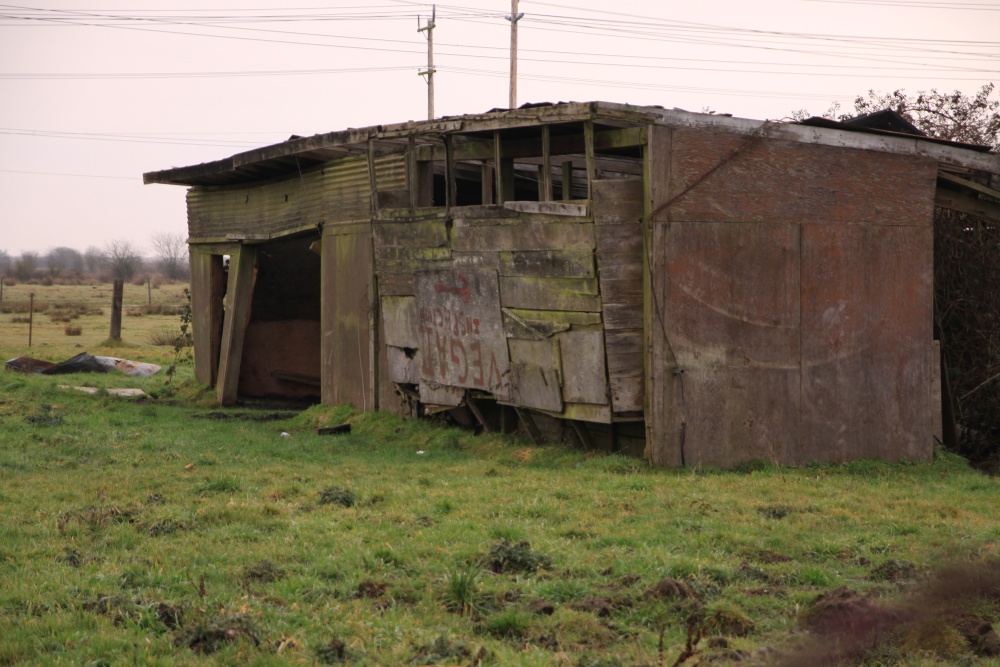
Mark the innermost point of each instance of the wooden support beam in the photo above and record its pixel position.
(582, 435)
(487, 181)
(471, 403)
(242, 267)
(372, 184)
(412, 181)
(969, 203)
(588, 140)
(451, 182)
(530, 425)
(545, 171)
(207, 289)
(497, 158)
(971, 185)
(567, 180)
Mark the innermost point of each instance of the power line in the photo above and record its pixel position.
(55, 173)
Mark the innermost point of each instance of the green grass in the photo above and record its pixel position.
(158, 533)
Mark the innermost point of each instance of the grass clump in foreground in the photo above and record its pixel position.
(172, 534)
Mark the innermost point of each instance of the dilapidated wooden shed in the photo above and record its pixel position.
(700, 289)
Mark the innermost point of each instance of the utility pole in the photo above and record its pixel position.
(513, 18)
(429, 28)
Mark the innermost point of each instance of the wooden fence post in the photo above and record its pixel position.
(31, 316)
(116, 310)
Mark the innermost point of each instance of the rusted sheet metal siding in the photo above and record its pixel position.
(791, 302)
(867, 353)
(338, 192)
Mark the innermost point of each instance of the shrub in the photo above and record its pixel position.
(169, 337)
(73, 330)
(20, 319)
(134, 311)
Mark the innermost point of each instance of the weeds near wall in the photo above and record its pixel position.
(184, 341)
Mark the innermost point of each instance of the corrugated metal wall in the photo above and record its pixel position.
(337, 192)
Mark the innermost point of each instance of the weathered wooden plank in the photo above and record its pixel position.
(548, 263)
(485, 259)
(626, 379)
(404, 365)
(535, 387)
(207, 289)
(439, 394)
(586, 412)
(543, 353)
(399, 317)
(412, 252)
(556, 293)
(622, 315)
(239, 294)
(557, 208)
(424, 233)
(528, 236)
(574, 318)
(584, 371)
(967, 203)
(389, 266)
(517, 327)
(461, 330)
(348, 364)
(396, 284)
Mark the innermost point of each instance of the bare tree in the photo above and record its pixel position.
(26, 265)
(5, 263)
(969, 118)
(64, 260)
(122, 259)
(172, 251)
(93, 258)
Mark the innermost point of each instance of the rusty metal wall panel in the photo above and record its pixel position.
(791, 297)
(766, 180)
(337, 192)
(729, 299)
(347, 316)
(867, 354)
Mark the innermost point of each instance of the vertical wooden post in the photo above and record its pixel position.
(116, 309)
(487, 180)
(149, 290)
(412, 180)
(207, 291)
(451, 180)
(514, 16)
(545, 182)
(238, 298)
(567, 180)
(588, 140)
(2, 278)
(31, 316)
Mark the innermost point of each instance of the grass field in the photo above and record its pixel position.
(170, 532)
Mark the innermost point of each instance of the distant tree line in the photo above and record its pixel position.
(114, 260)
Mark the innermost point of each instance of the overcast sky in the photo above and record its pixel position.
(93, 94)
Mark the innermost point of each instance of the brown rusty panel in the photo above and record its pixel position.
(348, 305)
(548, 263)
(725, 376)
(461, 330)
(584, 368)
(578, 294)
(524, 236)
(289, 346)
(403, 365)
(625, 369)
(421, 233)
(400, 321)
(771, 180)
(867, 366)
